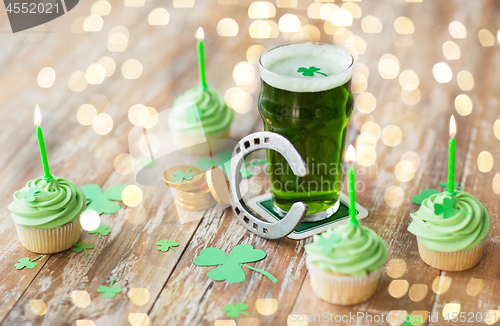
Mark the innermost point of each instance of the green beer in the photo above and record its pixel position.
(306, 97)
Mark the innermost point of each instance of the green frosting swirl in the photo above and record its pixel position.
(55, 204)
(465, 229)
(213, 113)
(348, 249)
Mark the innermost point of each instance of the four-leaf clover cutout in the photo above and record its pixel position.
(109, 291)
(102, 202)
(102, 230)
(236, 310)
(445, 208)
(230, 269)
(326, 244)
(180, 175)
(26, 262)
(309, 72)
(164, 245)
(423, 195)
(82, 246)
(29, 196)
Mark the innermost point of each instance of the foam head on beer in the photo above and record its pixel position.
(279, 67)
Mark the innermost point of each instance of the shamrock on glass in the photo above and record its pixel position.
(236, 310)
(230, 266)
(309, 72)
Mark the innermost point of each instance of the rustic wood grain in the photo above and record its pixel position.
(180, 292)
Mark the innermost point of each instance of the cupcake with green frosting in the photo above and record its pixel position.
(46, 214)
(345, 263)
(199, 116)
(451, 230)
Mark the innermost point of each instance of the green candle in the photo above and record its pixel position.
(201, 58)
(351, 182)
(451, 156)
(41, 144)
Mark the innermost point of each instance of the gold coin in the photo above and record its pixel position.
(218, 184)
(197, 198)
(197, 177)
(194, 208)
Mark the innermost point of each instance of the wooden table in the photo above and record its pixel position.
(180, 293)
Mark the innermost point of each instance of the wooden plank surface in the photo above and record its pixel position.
(180, 293)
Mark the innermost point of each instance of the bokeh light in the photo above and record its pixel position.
(450, 310)
(465, 80)
(262, 29)
(108, 64)
(38, 307)
(365, 102)
(46, 77)
(139, 296)
(451, 50)
(95, 74)
(227, 27)
(266, 306)
(394, 196)
(371, 24)
(441, 284)
(474, 286)
(183, 3)
(254, 52)
(395, 268)
(93, 23)
(141, 319)
(353, 8)
(86, 114)
(131, 69)
(463, 104)
(485, 161)
(388, 66)
(341, 17)
(496, 184)
(81, 299)
(486, 38)
(101, 8)
(442, 72)
(418, 292)
(289, 23)
(159, 17)
(398, 288)
(496, 128)
(134, 3)
(404, 25)
(392, 135)
(412, 97)
(103, 124)
(243, 73)
(261, 10)
(132, 196)
(90, 220)
(124, 163)
(457, 29)
(77, 82)
(408, 79)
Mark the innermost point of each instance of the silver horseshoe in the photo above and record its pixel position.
(252, 143)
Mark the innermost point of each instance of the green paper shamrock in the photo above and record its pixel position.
(194, 114)
(230, 269)
(180, 175)
(29, 196)
(445, 208)
(26, 262)
(309, 72)
(83, 246)
(101, 202)
(236, 310)
(424, 194)
(109, 291)
(444, 184)
(326, 244)
(102, 230)
(164, 245)
(224, 162)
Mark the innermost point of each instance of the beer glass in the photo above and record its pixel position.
(306, 97)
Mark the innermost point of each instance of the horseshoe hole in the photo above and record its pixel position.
(266, 231)
(247, 144)
(256, 141)
(238, 150)
(237, 210)
(266, 140)
(255, 226)
(245, 219)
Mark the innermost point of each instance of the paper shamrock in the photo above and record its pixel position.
(444, 184)
(83, 246)
(230, 269)
(224, 162)
(29, 195)
(445, 208)
(109, 291)
(101, 202)
(164, 245)
(26, 262)
(236, 310)
(102, 230)
(194, 114)
(309, 72)
(424, 194)
(180, 175)
(326, 244)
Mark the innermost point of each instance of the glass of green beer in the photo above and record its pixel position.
(306, 97)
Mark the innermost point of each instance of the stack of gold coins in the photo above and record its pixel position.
(192, 193)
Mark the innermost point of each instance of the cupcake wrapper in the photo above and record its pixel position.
(50, 241)
(454, 261)
(343, 289)
(185, 141)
